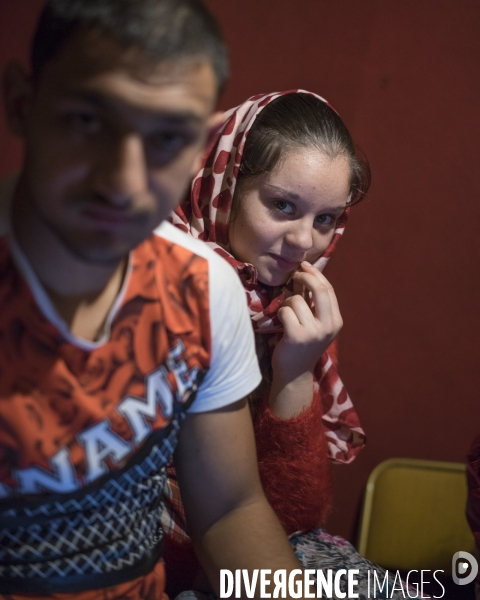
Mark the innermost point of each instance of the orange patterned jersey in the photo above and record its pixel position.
(87, 428)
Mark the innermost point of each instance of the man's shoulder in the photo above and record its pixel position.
(186, 261)
(167, 234)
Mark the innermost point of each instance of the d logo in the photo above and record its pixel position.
(464, 563)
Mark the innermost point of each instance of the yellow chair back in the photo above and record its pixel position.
(414, 515)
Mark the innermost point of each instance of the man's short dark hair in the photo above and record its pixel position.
(161, 29)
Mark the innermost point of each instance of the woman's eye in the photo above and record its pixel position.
(325, 219)
(284, 207)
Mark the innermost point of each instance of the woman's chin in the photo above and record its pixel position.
(273, 280)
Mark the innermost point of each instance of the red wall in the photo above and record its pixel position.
(404, 75)
(17, 21)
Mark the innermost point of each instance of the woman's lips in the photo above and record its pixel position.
(284, 264)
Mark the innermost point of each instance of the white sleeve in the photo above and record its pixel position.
(234, 370)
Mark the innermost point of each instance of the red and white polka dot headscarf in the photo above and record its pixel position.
(206, 216)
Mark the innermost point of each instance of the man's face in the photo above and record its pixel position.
(111, 142)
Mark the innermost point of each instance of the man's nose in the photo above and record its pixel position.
(299, 235)
(122, 172)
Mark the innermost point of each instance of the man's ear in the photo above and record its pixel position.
(213, 123)
(17, 91)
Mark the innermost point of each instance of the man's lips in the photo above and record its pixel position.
(109, 217)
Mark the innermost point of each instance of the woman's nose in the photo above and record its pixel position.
(300, 235)
(122, 173)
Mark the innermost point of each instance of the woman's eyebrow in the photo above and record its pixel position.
(292, 195)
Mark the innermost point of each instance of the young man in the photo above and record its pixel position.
(114, 341)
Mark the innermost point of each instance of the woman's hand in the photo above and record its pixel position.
(306, 336)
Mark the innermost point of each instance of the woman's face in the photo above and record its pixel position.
(289, 215)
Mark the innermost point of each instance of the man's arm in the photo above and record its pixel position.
(231, 523)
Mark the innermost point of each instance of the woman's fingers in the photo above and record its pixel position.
(300, 309)
(288, 319)
(323, 295)
(307, 333)
(298, 288)
(299, 322)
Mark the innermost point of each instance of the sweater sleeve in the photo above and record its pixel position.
(294, 466)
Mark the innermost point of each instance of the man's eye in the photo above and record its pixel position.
(325, 219)
(284, 207)
(84, 122)
(167, 146)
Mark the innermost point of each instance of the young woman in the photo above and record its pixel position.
(272, 197)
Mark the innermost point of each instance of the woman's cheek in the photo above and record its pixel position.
(321, 244)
